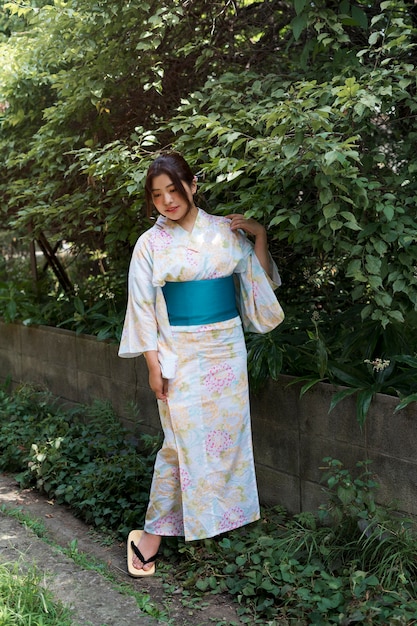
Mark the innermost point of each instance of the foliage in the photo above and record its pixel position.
(306, 113)
(319, 146)
(354, 561)
(341, 349)
(321, 158)
(83, 457)
(83, 74)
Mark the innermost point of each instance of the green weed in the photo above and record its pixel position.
(35, 525)
(25, 602)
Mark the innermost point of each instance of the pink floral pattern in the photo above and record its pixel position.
(160, 240)
(182, 476)
(232, 518)
(173, 522)
(191, 257)
(219, 376)
(218, 441)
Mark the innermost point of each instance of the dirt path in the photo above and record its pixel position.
(94, 599)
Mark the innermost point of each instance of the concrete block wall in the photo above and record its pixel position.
(291, 435)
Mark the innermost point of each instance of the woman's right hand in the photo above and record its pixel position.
(158, 384)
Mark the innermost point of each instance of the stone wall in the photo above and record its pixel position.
(291, 434)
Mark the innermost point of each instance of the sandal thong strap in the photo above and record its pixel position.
(140, 555)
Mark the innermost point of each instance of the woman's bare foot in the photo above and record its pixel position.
(148, 546)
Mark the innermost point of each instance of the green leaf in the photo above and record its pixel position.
(202, 584)
(396, 316)
(411, 361)
(330, 211)
(373, 264)
(339, 396)
(290, 150)
(346, 494)
(274, 359)
(363, 402)
(360, 17)
(406, 401)
(388, 212)
(309, 385)
(348, 376)
(298, 24)
(326, 196)
(299, 5)
(373, 38)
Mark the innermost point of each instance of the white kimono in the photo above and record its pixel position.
(204, 480)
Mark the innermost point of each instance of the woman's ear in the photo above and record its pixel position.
(194, 185)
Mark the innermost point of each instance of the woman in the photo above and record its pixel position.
(187, 275)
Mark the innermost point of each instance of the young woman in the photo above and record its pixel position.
(194, 279)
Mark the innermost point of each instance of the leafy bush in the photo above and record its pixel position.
(82, 457)
(340, 349)
(352, 561)
(306, 112)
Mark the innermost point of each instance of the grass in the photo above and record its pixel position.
(83, 560)
(35, 525)
(87, 562)
(25, 602)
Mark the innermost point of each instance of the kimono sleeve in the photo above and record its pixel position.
(258, 305)
(140, 329)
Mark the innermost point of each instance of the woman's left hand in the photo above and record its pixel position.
(254, 228)
(250, 226)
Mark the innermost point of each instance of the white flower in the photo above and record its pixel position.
(378, 365)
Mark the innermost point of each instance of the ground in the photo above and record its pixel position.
(95, 600)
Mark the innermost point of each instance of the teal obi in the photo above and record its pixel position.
(195, 302)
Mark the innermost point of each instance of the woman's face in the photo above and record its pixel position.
(169, 202)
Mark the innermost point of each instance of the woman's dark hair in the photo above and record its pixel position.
(176, 167)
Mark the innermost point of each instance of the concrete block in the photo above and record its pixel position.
(314, 450)
(92, 387)
(10, 339)
(142, 374)
(10, 365)
(93, 356)
(340, 424)
(62, 382)
(278, 488)
(397, 480)
(148, 408)
(277, 447)
(33, 370)
(312, 496)
(35, 341)
(122, 370)
(277, 402)
(61, 348)
(389, 433)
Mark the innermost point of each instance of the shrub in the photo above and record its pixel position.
(83, 457)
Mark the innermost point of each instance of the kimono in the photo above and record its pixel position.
(204, 479)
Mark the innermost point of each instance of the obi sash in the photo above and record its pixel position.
(196, 302)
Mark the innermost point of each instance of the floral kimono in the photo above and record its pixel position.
(204, 480)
